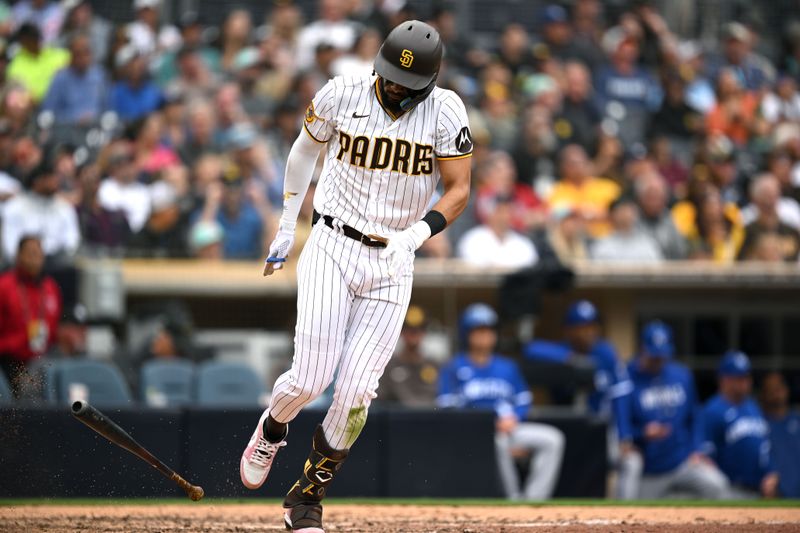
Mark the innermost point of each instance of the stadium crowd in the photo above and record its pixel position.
(601, 134)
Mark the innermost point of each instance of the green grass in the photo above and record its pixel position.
(400, 501)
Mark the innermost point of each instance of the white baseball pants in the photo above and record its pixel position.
(349, 316)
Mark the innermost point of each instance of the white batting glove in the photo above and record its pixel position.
(279, 251)
(400, 247)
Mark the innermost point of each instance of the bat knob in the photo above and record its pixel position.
(196, 493)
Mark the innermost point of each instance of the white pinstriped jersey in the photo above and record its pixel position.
(381, 170)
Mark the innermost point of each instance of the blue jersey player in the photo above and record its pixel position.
(665, 423)
(784, 433)
(479, 378)
(737, 434)
(583, 342)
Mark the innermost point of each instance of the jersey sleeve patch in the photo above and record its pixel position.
(310, 115)
(464, 141)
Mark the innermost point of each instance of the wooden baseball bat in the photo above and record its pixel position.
(107, 428)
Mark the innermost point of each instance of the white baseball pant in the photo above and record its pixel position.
(349, 316)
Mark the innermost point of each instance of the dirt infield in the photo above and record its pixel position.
(240, 518)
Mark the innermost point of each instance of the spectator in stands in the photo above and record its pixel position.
(496, 243)
(192, 28)
(80, 18)
(359, 60)
(784, 433)
(200, 133)
(765, 194)
(152, 154)
(411, 378)
(194, 80)
(625, 91)
(717, 233)
(72, 334)
(121, 191)
(566, 235)
(557, 35)
(579, 190)
(206, 239)
(655, 219)
(670, 165)
(18, 109)
(629, 241)
(174, 113)
(736, 433)
(781, 165)
(234, 38)
(133, 95)
(331, 28)
(534, 148)
(497, 177)
(480, 378)
(229, 203)
(30, 307)
(577, 121)
(78, 94)
(46, 15)
(146, 33)
(675, 120)
(665, 423)
(102, 229)
(753, 69)
(35, 63)
(40, 211)
(248, 67)
(782, 104)
(735, 113)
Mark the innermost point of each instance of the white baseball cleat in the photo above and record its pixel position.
(258, 456)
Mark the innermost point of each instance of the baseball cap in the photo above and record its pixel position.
(737, 31)
(205, 233)
(734, 363)
(478, 316)
(657, 340)
(415, 318)
(246, 58)
(554, 14)
(242, 136)
(125, 55)
(144, 4)
(580, 313)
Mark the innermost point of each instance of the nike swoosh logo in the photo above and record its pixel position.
(360, 116)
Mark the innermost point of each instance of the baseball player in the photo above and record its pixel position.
(665, 423)
(583, 341)
(388, 139)
(737, 434)
(479, 378)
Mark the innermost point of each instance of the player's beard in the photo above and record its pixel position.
(394, 96)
